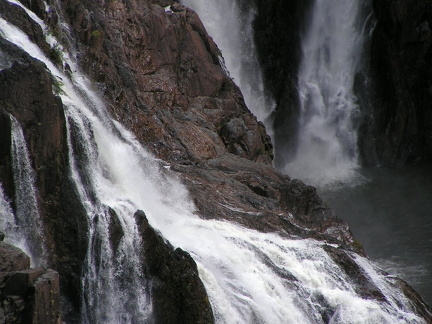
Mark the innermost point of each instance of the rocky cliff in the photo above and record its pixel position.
(160, 76)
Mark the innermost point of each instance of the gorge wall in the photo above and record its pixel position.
(160, 75)
(401, 76)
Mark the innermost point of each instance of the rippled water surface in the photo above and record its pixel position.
(391, 215)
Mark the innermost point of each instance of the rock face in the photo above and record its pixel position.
(27, 296)
(396, 129)
(139, 74)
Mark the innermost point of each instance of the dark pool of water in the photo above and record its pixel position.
(391, 215)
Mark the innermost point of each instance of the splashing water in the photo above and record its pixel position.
(8, 224)
(251, 277)
(327, 138)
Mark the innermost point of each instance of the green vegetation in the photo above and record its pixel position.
(96, 34)
(56, 55)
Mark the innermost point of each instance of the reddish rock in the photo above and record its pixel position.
(178, 94)
(47, 299)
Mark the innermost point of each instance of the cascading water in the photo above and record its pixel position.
(23, 227)
(327, 137)
(251, 277)
(235, 39)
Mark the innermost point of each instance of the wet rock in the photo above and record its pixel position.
(115, 229)
(18, 16)
(27, 295)
(363, 284)
(177, 292)
(257, 197)
(12, 258)
(47, 298)
(19, 282)
(420, 306)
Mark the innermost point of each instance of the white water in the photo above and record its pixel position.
(244, 271)
(327, 138)
(26, 228)
(232, 31)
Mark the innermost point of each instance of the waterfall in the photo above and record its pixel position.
(25, 229)
(327, 138)
(251, 277)
(235, 39)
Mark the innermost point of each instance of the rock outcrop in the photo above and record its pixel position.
(27, 296)
(203, 113)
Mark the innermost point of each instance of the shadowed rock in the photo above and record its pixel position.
(177, 292)
(27, 295)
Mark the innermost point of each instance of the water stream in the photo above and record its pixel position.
(244, 271)
(327, 139)
(23, 227)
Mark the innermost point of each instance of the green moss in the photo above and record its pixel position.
(96, 34)
(56, 55)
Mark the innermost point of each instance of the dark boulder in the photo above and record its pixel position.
(27, 295)
(12, 258)
(177, 292)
